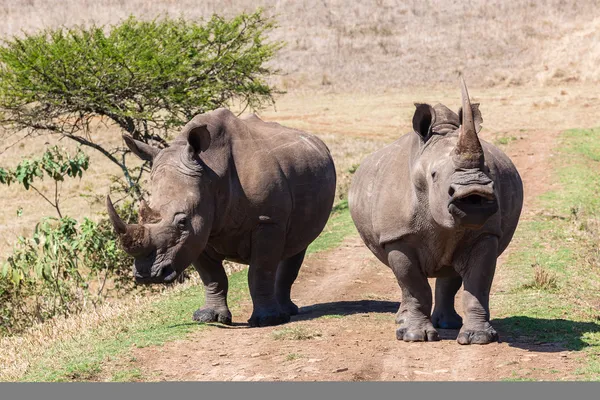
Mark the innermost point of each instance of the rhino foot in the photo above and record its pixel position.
(416, 331)
(485, 336)
(446, 319)
(289, 307)
(208, 314)
(268, 318)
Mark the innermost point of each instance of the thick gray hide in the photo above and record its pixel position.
(425, 212)
(232, 189)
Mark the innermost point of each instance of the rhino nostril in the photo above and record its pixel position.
(451, 191)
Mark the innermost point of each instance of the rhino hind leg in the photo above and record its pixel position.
(444, 314)
(478, 268)
(415, 307)
(267, 247)
(215, 281)
(287, 272)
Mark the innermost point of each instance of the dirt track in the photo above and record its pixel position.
(348, 301)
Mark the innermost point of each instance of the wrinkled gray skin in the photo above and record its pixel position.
(238, 189)
(439, 202)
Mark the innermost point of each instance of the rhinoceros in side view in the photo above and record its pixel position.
(439, 202)
(237, 189)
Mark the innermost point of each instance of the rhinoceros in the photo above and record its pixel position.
(439, 202)
(230, 188)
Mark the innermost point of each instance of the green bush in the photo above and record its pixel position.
(59, 269)
(145, 76)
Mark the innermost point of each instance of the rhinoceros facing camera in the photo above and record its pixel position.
(439, 202)
(237, 189)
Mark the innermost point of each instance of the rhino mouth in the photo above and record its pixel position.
(473, 206)
(165, 273)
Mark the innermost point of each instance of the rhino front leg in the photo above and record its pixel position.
(267, 248)
(444, 314)
(415, 308)
(215, 281)
(287, 272)
(477, 269)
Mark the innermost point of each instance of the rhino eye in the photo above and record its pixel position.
(180, 221)
(433, 174)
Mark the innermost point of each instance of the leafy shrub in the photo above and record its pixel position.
(147, 77)
(56, 163)
(59, 269)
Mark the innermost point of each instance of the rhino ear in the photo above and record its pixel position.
(199, 138)
(476, 116)
(141, 149)
(423, 120)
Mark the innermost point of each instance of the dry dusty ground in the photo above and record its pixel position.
(346, 331)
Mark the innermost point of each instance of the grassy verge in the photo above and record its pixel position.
(553, 296)
(83, 356)
(338, 227)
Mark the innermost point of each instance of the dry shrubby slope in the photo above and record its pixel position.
(378, 44)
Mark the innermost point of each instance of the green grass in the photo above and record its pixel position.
(166, 319)
(340, 226)
(295, 333)
(504, 140)
(553, 292)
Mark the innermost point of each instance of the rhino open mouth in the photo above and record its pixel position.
(474, 199)
(473, 207)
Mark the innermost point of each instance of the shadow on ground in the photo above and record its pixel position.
(544, 335)
(346, 308)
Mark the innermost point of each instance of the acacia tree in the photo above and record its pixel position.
(147, 77)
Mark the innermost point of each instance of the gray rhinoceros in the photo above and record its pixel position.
(439, 202)
(230, 188)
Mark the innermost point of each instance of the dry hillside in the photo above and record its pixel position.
(379, 44)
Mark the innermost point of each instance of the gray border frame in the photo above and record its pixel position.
(303, 390)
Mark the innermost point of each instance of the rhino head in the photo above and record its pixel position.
(174, 229)
(451, 170)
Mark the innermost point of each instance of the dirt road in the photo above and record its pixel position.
(345, 330)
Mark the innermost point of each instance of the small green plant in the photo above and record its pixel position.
(292, 356)
(55, 163)
(504, 140)
(542, 279)
(59, 269)
(296, 333)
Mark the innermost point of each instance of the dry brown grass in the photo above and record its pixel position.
(18, 352)
(379, 44)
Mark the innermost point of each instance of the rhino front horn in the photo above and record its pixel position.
(468, 151)
(117, 222)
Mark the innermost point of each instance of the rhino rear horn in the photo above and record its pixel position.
(468, 152)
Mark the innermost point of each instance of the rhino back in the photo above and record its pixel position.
(268, 174)
(292, 169)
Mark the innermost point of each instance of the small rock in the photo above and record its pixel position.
(525, 359)
(222, 354)
(255, 355)
(313, 360)
(563, 355)
(340, 370)
(215, 364)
